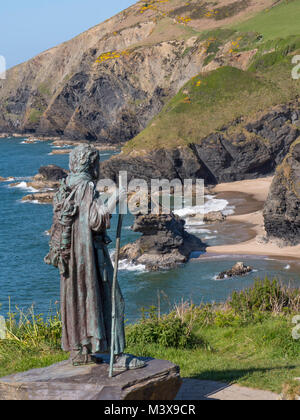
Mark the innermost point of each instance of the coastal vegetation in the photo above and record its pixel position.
(212, 101)
(247, 340)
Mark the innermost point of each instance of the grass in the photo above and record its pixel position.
(212, 101)
(261, 356)
(31, 343)
(279, 22)
(247, 341)
(35, 115)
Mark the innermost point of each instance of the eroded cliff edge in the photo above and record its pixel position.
(282, 209)
(254, 151)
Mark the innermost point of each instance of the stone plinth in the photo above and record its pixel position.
(159, 380)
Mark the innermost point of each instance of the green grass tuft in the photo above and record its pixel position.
(279, 22)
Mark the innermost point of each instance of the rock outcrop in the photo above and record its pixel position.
(46, 182)
(5, 179)
(253, 151)
(164, 243)
(53, 173)
(40, 197)
(281, 211)
(239, 269)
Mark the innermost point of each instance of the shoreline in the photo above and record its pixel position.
(57, 141)
(257, 190)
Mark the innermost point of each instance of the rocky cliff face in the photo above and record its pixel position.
(253, 150)
(281, 212)
(107, 83)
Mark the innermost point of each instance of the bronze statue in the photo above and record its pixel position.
(78, 247)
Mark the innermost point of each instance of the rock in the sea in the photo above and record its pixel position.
(239, 269)
(61, 152)
(2, 179)
(159, 380)
(47, 181)
(281, 211)
(164, 243)
(53, 173)
(41, 197)
(214, 216)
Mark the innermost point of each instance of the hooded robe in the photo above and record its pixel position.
(86, 298)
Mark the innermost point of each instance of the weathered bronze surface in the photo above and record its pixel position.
(78, 247)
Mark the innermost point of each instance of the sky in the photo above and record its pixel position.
(28, 27)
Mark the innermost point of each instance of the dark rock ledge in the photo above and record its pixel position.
(164, 243)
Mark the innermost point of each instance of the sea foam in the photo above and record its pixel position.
(23, 186)
(211, 205)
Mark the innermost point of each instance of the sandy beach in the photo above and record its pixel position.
(257, 191)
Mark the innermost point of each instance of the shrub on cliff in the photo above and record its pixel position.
(266, 296)
(168, 331)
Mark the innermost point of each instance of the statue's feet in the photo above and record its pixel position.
(79, 359)
(82, 359)
(127, 362)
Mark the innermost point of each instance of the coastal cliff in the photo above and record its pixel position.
(254, 150)
(281, 212)
(107, 83)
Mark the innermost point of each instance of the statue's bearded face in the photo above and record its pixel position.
(85, 159)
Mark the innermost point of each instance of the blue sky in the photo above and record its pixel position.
(28, 27)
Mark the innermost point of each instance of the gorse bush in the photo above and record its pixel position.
(168, 331)
(266, 296)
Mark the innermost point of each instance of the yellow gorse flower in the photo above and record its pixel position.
(112, 55)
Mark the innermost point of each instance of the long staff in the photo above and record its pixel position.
(114, 286)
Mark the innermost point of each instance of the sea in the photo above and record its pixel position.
(26, 281)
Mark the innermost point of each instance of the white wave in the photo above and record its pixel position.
(23, 186)
(196, 229)
(287, 267)
(209, 237)
(22, 178)
(211, 205)
(216, 277)
(204, 231)
(9, 180)
(63, 146)
(126, 265)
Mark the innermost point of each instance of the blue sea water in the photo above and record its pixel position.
(27, 280)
